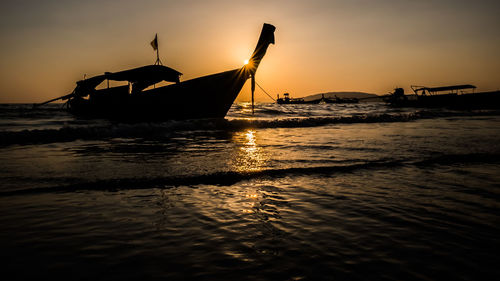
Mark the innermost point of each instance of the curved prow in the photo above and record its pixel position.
(266, 38)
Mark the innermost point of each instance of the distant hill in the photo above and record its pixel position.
(357, 95)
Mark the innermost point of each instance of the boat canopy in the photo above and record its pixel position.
(141, 78)
(442, 89)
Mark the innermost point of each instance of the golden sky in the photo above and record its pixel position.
(352, 45)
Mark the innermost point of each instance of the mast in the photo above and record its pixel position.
(154, 44)
(158, 61)
(253, 91)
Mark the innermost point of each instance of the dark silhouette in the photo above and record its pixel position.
(204, 97)
(456, 97)
(338, 100)
(286, 99)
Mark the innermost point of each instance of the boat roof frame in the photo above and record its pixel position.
(434, 90)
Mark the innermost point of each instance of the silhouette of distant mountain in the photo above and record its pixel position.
(331, 95)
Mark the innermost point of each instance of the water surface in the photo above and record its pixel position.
(300, 192)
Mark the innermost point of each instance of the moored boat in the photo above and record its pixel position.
(456, 97)
(337, 100)
(286, 99)
(209, 96)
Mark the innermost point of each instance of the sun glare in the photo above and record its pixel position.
(246, 62)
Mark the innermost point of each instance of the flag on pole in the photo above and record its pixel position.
(154, 43)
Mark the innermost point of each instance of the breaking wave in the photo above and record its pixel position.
(232, 177)
(74, 132)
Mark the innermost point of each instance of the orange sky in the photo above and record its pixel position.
(356, 45)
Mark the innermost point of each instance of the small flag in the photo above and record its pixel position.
(154, 43)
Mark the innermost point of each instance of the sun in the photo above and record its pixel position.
(245, 62)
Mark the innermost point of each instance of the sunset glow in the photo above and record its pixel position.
(320, 45)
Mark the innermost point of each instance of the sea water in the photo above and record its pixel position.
(294, 192)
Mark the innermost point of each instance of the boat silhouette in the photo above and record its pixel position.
(209, 96)
(286, 99)
(337, 100)
(455, 97)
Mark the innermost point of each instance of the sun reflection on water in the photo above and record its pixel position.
(246, 109)
(249, 156)
(250, 202)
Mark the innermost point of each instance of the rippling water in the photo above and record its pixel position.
(299, 192)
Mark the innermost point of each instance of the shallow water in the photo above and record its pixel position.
(302, 192)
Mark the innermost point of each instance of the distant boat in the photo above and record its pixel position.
(286, 99)
(457, 97)
(204, 97)
(338, 100)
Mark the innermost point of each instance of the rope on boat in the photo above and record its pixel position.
(288, 109)
(264, 91)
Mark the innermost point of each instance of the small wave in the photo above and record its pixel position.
(15, 111)
(99, 132)
(233, 177)
(449, 159)
(270, 111)
(218, 178)
(146, 130)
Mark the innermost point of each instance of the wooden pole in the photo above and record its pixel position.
(253, 91)
(158, 56)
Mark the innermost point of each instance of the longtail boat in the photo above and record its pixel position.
(337, 100)
(209, 96)
(286, 99)
(455, 97)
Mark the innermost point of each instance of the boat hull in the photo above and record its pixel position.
(282, 101)
(204, 97)
(340, 101)
(483, 100)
